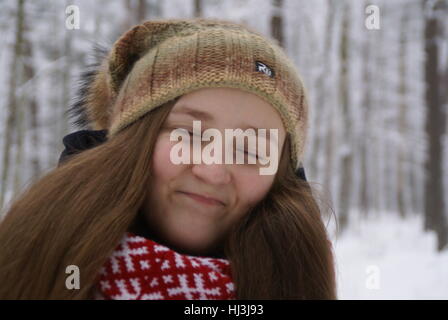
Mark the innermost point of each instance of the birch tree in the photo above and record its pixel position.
(435, 128)
(12, 99)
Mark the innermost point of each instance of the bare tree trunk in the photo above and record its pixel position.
(363, 138)
(277, 31)
(66, 74)
(20, 133)
(402, 184)
(35, 141)
(12, 100)
(55, 105)
(31, 102)
(141, 11)
(198, 8)
(435, 127)
(98, 16)
(345, 187)
(379, 189)
(321, 95)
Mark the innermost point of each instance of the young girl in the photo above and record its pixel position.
(120, 219)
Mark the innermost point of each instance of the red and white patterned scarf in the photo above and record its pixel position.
(141, 269)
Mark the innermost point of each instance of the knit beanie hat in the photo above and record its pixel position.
(159, 60)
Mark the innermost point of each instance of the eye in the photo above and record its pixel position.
(248, 154)
(251, 154)
(191, 133)
(183, 129)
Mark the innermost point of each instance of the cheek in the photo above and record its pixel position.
(254, 188)
(162, 167)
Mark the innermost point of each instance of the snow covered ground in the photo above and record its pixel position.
(389, 258)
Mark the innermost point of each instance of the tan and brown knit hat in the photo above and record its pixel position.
(160, 60)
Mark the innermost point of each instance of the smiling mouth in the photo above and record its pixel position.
(203, 200)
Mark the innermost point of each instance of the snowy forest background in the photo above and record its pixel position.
(378, 143)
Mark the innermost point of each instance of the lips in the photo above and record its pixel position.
(204, 199)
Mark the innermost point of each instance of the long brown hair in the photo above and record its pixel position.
(78, 212)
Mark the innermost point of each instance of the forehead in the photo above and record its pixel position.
(228, 107)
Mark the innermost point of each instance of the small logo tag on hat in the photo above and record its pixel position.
(261, 67)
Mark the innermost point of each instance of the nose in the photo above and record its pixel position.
(217, 174)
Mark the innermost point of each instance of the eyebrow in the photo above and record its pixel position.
(194, 113)
(202, 115)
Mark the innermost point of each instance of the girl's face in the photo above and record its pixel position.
(190, 223)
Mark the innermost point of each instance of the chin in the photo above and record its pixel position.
(199, 246)
(192, 246)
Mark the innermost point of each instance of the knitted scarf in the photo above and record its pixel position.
(141, 269)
